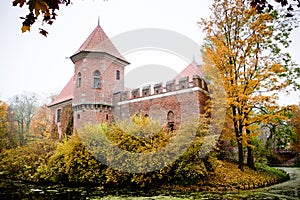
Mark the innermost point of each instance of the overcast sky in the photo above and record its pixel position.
(31, 62)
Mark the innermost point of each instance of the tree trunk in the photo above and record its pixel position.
(241, 155)
(269, 139)
(250, 157)
(238, 135)
(21, 133)
(28, 137)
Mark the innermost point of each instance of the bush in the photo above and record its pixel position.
(71, 163)
(141, 135)
(81, 158)
(23, 162)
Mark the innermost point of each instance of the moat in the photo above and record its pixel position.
(21, 190)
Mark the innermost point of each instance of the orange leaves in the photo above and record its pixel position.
(228, 176)
(241, 45)
(3, 113)
(38, 6)
(278, 68)
(40, 124)
(25, 28)
(39, 9)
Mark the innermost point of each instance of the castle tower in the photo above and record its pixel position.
(98, 72)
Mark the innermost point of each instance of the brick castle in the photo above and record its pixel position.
(96, 92)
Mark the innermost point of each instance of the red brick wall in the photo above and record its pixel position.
(86, 93)
(184, 105)
(86, 96)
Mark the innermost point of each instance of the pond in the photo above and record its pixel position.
(21, 190)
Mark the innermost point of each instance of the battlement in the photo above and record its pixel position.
(159, 88)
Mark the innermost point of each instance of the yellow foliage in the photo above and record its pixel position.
(25, 28)
(235, 51)
(41, 121)
(3, 114)
(40, 6)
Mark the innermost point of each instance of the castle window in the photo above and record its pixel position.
(96, 79)
(58, 115)
(171, 126)
(170, 118)
(78, 79)
(78, 116)
(118, 75)
(106, 116)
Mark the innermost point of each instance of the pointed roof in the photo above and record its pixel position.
(190, 70)
(98, 41)
(65, 95)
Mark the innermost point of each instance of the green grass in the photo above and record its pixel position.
(271, 170)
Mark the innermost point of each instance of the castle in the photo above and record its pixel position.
(96, 92)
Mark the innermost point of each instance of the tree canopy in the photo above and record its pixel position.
(24, 107)
(246, 46)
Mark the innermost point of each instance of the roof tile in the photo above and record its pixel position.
(190, 70)
(99, 42)
(65, 95)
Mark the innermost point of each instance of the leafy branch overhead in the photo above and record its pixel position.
(45, 9)
(291, 5)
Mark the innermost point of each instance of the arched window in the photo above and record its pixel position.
(96, 79)
(78, 79)
(58, 115)
(118, 75)
(170, 118)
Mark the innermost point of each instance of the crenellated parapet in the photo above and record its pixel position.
(159, 88)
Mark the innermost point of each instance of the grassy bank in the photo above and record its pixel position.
(227, 177)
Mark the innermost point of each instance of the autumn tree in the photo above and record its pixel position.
(7, 139)
(23, 107)
(41, 121)
(67, 120)
(3, 117)
(246, 48)
(295, 124)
